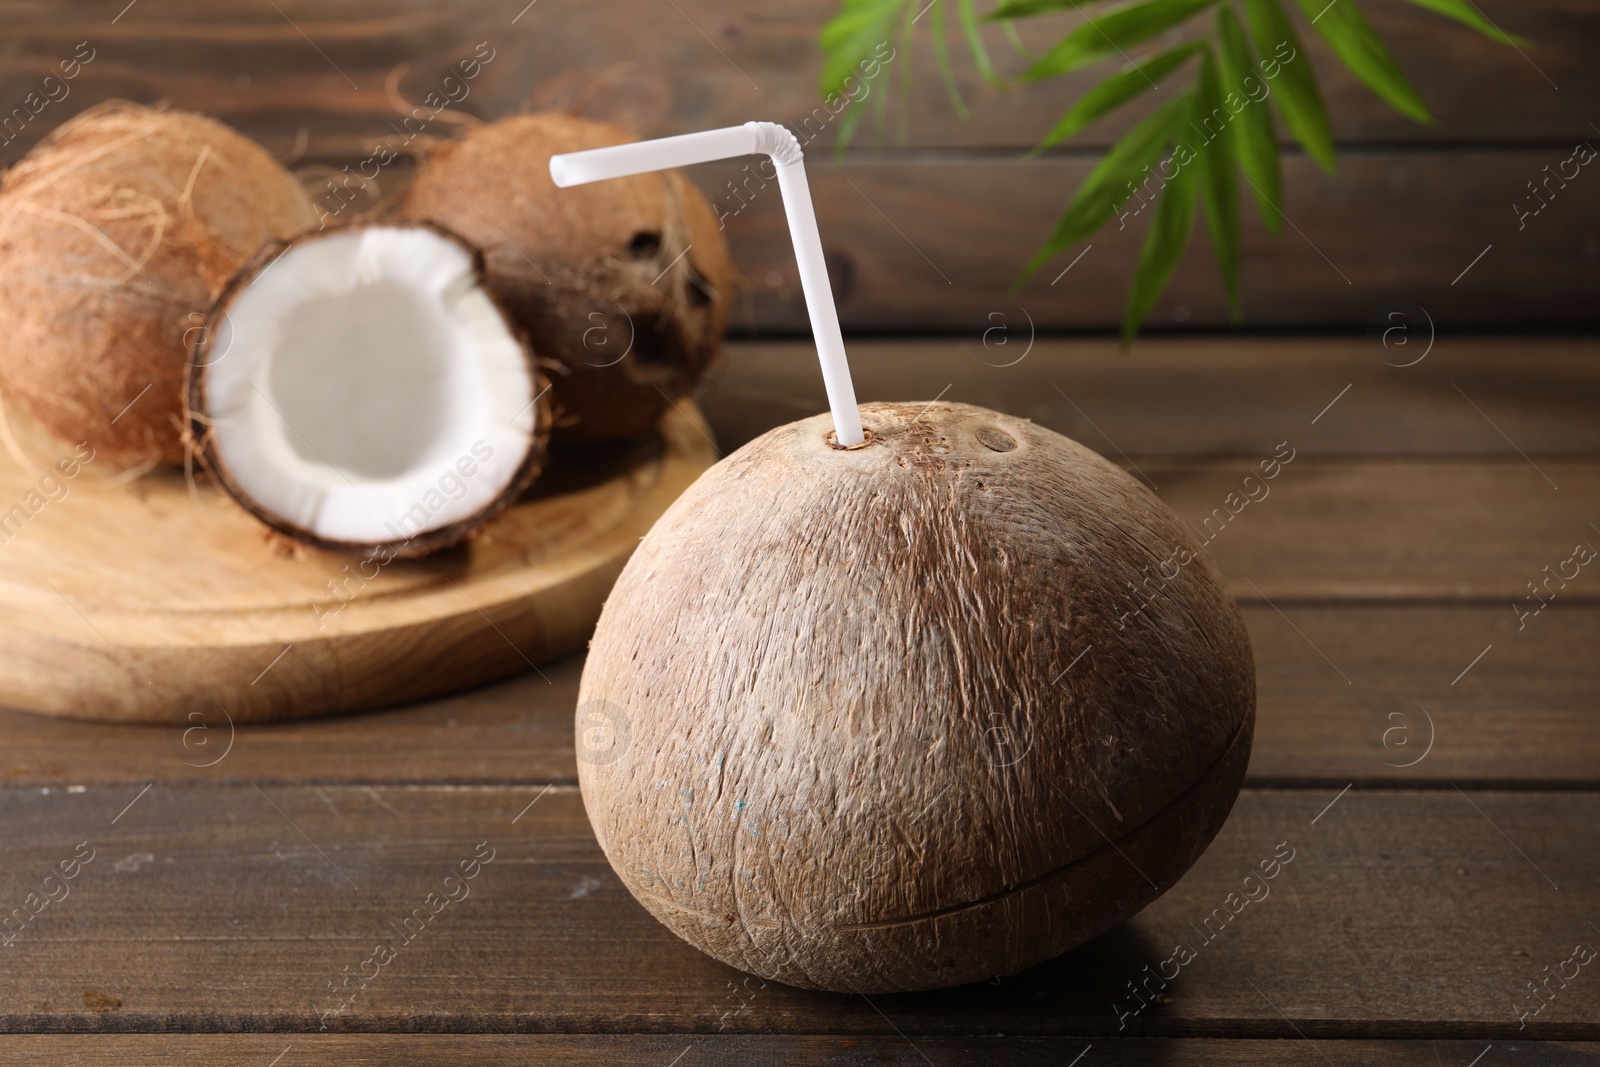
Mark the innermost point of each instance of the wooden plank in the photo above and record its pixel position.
(518, 730)
(935, 244)
(275, 68)
(1400, 914)
(1523, 716)
(740, 1050)
(1412, 712)
(1199, 396)
(1392, 530)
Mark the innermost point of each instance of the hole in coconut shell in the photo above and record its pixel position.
(996, 440)
(659, 342)
(832, 438)
(645, 244)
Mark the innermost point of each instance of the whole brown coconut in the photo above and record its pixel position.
(920, 712)
(625, 284)
(116, 233)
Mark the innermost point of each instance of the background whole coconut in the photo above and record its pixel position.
(116, 233)
(625, 285)
(930, 709)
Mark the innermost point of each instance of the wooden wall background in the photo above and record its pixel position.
(926, 235)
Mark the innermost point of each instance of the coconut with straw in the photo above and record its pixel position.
(915, 696)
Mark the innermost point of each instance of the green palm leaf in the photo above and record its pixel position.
(1253, 141)
(850, 37)
(1299, 99)
(1226, 116)
(1348, 32)
(1164, 243)
(1219, 185)
(941, 52)
(1117, 29)
(1019, 9)
(975, 45)
(1468, 15)
(1118, 90)
(1112, 180)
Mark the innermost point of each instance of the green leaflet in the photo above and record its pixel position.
(907, 29)
(941, 52)
(1164, 243)
(1118, 90)
(1468, 15)
(975, 45)
(847, 125)
(1344, 27)
(851, 36)
(880, 110)
(1219, 184)
(1295, 88)
(849, 39)
(1254, 142)
(1014, 40)
(1112, 180)
(1021, 9)
(1114, 30)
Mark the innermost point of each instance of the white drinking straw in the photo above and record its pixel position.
(764, 138)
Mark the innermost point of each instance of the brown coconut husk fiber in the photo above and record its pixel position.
(637, 266)
(117, 231)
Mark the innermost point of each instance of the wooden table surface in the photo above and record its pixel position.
(1430, 754)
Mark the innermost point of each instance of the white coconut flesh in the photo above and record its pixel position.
(364, 388)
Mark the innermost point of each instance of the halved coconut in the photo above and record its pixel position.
(360, 389)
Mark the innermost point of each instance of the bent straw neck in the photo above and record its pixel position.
(753, 138)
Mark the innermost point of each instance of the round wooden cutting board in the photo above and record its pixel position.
(146, 602)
